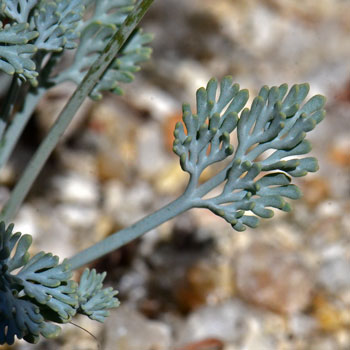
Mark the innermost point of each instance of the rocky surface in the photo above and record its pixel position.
(194, 283)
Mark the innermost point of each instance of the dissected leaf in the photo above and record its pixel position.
(15, 52)
(93, 300)
(93, 40)
(18, 10)
(277, 122)
(39, 293)
(57, 21)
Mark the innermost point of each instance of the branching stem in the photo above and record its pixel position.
(122, 237)
(70, 109)
(190, 199)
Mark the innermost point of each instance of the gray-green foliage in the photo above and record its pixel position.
(254, 180)
(37, 293)
(95, 34)
(16, 51)
(42, 292)
(57, 21)
(40, 28)
(93, 300)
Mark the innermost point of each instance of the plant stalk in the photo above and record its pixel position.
(122, 237)
(85, 87)
(118, 239)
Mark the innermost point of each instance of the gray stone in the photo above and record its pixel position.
(227, 322)
(127, 329)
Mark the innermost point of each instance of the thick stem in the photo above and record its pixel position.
(132, 232)
(190, 199)
(70, 109)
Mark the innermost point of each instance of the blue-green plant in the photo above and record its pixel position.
(42, 293)
(250, 180)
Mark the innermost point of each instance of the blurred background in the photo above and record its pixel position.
(194, 283)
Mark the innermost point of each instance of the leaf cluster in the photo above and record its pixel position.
(270, 136)
(42, 292)
(38, 29)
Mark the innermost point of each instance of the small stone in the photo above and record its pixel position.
(27, 221)
(198, 286)
(323, 343)
(171, 180)
(127, 205)
(151, 154)
(315, 190)
(128, 329)
(330, 316)
(78, 216)
(75, 188)
(256, 338)
(51, 227)
(334, 274)
(340, 150)
(301, 325)
(227, 322)
(329, 209)
(114, 128)
(152, 100)
(273, 278)
(206, 344)
(80, 162)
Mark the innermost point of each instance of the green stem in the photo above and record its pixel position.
(18, 123)
(188, 200)
(120, 238)
(10, 101)
(70, 109)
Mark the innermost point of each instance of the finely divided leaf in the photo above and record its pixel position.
(93, 300)
(15, 52)
(277, 122)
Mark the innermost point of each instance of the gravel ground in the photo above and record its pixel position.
(194, 283)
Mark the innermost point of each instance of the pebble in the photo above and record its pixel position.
(27, 221)
(151, 155)
(315, 190)
(199, 286)
(78, 216)
(226, 321)
(340, 151)
(273, 278)
(127, 205)
(128, 330)
(171, 180)
(334, 274)
(331, 315)
(75, 188)
(206, 344)
(301, 325)
(273, 41)
(256, 339)
(154, 100)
